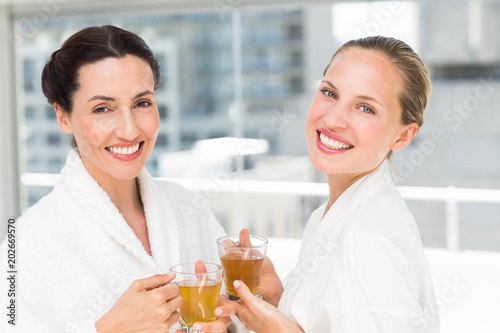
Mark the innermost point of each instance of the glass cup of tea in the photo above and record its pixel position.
(242, 261)
(199, 285)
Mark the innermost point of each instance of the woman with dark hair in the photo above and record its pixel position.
(90, 252)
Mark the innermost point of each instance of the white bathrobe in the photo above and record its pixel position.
(76, 254)
(361, 267)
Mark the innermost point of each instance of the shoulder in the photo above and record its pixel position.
(386, 214)
(42, 212)
(383, 227)
(384, 240)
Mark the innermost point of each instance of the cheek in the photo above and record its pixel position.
(91, 133)
(377, 138)
(315, 112)
(151, 124)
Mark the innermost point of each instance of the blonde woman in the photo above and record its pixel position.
(361, 267)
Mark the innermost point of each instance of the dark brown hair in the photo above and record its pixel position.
(90, 45)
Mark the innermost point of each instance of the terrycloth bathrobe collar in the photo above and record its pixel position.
(97, 203)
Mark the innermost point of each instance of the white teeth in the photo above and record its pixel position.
(124, 151)
(332, 144)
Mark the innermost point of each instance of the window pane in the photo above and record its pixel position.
(283, 54)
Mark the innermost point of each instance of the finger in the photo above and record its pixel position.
(225, 307)
(245, 238)
(167, 292)
(231, 249)
(173, 319)
(199, 267)
(201, 270)
(268, 266)
(152, 282)
(174, 303)
(168, 310)
(220, 325)
(246, 245)
(244, 293)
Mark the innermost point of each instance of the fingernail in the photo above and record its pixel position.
(197, 327)
(218, 312)
(236, 284)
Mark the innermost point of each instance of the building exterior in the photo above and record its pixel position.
(283, 53)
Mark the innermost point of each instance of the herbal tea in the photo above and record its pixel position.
(246, 270)
(200, 300)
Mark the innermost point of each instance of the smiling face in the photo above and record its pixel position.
(114, 119)
(355, 116)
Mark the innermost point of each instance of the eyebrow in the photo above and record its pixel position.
(368, 98)
(106, 98)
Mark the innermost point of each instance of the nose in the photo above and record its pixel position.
(337, 116)
(127, 128)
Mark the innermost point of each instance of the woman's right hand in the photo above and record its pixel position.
(148, 305)
(257, 315)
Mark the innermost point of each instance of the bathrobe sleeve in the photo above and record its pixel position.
(390, 276)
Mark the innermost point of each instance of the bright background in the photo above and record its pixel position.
(238, 77)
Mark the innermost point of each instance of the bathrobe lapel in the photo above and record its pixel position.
(101, 211)
(350, 200)
(160, 223)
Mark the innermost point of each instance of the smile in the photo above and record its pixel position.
(125, 150)
(331, 143)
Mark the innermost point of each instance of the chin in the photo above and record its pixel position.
(322, 166)
(128, 173)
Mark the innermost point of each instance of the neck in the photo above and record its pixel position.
(124, 194)
(339, 183)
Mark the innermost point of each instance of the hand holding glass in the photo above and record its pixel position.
(242, 260)
(199, 285)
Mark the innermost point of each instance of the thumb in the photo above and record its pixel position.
(199, 267)
(245, 238)
(244, 293)
(152, 282)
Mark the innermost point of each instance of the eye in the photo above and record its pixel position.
(329, 93)
(100, 109)
(366, 109)
(143, 104)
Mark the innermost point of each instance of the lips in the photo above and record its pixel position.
(125, 150)
(331, 143)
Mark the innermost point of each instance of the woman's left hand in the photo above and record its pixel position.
(257, 315)
(271, 287)
(220, 325)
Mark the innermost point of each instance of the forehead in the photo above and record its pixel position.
(116, 73)
(365, 72)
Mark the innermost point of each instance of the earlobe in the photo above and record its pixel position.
(63, 119)
(408, 133)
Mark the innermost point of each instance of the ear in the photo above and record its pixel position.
(63, 119)
(407, 134)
